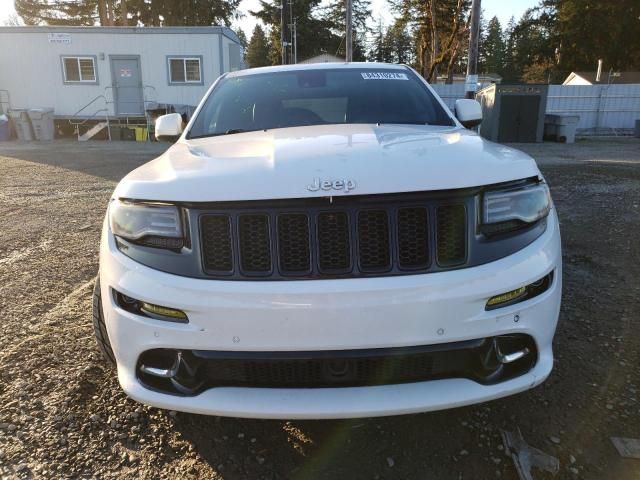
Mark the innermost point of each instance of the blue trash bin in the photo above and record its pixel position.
(4, 128)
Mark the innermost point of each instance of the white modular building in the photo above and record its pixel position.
(119, 72)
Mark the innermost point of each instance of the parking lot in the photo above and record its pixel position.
(62, 413)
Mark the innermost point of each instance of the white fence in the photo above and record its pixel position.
(449, 93)
(610, 109)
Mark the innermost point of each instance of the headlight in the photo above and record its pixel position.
(516, 207)
(154, 225)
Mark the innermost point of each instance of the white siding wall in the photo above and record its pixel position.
(449, 93)
(30, 66)
(598, 106)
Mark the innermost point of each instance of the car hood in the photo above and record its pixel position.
(283, 163)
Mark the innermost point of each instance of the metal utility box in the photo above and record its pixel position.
(513, 113)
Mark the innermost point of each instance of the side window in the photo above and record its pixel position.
(79, 70)
(185, 70)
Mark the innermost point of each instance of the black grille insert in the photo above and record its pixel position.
(334, 247)
(216, 240)
(413, 238)
(255, 243)
(294, 250)
(335, 238)
(451, 235)
(373, 241)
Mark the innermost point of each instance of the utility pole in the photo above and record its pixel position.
(471, 83)
(349, 32)
(295, 41)
(283, 22)
(291, 32)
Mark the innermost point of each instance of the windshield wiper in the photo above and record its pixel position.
(403, 123)
(231, 131)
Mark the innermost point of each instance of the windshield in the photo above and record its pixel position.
(265, 101)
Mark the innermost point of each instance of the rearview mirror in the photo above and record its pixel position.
(469, 112)
(169, 127)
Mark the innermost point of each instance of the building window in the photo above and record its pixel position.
(185, 70)
(79, 69)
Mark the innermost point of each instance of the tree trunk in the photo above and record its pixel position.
(452, 60)
(102, 13)
(109, 9)
(124, 13)
(435, 42)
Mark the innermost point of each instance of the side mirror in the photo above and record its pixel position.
(469, 112)
(169, 127)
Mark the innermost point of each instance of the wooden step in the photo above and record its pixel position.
(98, 127)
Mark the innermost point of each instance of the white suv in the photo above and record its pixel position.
(328, 241)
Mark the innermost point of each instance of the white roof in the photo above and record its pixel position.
(323, 58)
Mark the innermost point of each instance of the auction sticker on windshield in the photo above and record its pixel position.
(384, 76)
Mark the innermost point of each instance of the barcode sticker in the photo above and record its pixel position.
(384, 76)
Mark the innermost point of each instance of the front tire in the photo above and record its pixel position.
(99, 327)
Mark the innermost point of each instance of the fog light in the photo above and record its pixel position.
(152, 309)
(506, 297)
(520, 294)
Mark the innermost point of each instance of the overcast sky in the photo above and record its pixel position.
(503, 9)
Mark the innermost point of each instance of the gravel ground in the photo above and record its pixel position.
(63, 415)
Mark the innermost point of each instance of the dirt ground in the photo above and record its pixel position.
(63, 415)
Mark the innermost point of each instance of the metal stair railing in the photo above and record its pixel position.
(76, 124)
(146, 103)
(149, 99)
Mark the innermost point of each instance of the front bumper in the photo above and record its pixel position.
(346, 314)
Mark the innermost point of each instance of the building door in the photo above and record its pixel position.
(518, 118)
(127, 85)
(529, 114)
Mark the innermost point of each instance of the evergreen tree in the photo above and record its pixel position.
(182, 12)
(533, 50)
(127, 12)
(440, 28)
(314, 35)
(493, 48)
(258, 49)
(335, 15)
(377, 53)
(509, 73)
(241, 35)
(586, 30)
(397, 43)
(243, 41)
(57, 12)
